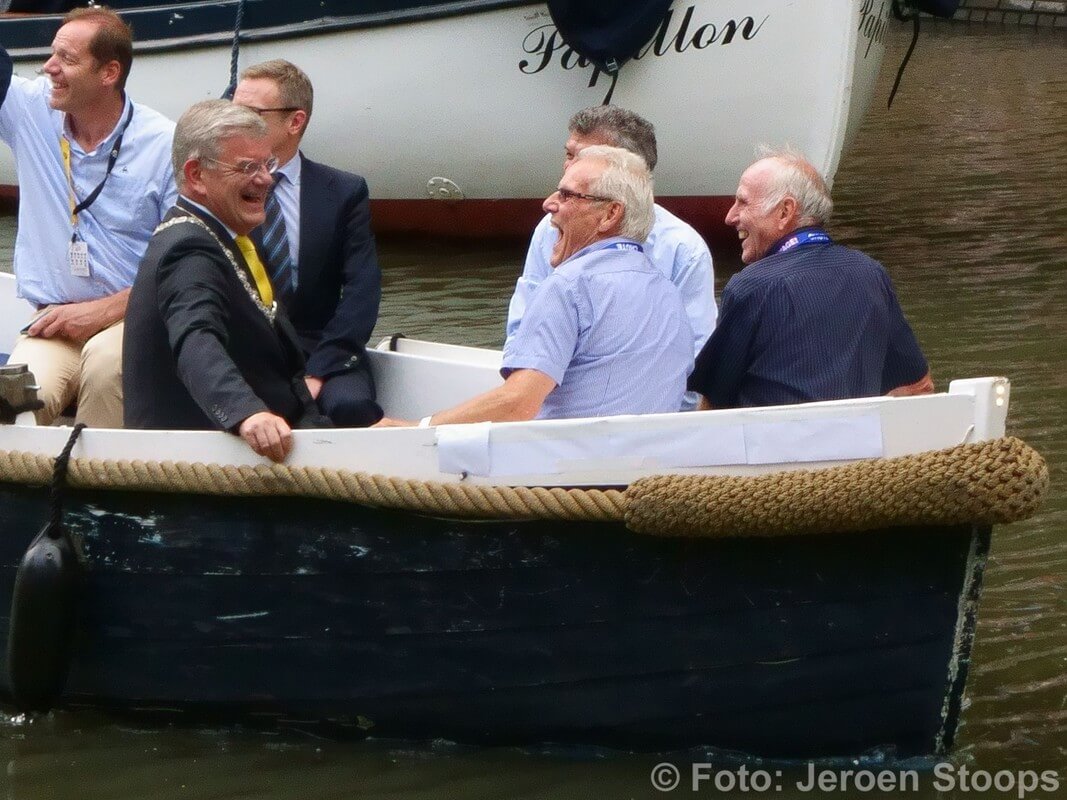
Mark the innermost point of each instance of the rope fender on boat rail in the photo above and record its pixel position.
(997, 481)
(1001, 480)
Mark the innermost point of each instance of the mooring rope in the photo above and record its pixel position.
(235, 51)
(1002, 480)
(59, 479)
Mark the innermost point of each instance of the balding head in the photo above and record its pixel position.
(792, 175)
(777, 195)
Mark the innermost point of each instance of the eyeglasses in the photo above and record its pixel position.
(567, 194)
(249, 168)
(283, 110)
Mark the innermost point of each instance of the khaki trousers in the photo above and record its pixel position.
(66, 370)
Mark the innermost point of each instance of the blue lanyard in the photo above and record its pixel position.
(631, 246)
(802, 238)
(113, 157)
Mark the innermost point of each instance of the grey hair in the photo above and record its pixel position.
(203, 126)
(621, 127)
(795, 177)
(626, 180)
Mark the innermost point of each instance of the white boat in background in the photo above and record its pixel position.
(456, 111)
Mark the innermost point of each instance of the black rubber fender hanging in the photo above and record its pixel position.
(936, 8)
(608, 34)
(44, 606)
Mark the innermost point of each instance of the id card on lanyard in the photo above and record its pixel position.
(78, 249)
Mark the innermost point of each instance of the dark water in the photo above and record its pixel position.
(961, 190)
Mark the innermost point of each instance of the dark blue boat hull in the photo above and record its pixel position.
(514, 632)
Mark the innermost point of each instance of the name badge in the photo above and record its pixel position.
(78, 258)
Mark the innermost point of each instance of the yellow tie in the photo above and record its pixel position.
(255, 266)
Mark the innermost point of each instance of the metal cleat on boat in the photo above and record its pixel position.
(18, 392)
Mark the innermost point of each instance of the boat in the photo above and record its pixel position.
(480, 584)
(456, 110)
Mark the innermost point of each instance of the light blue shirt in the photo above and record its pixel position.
(116, 227)
(287, 190)
(611, 331)
(673, 246)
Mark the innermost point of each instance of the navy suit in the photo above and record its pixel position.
(338, 290)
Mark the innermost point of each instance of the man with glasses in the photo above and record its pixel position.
(206, 344)
(318, 247)
(95, 179)
(673, 246)
(606, 333)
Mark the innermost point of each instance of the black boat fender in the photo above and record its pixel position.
(936, 8)
(44, 604)
(608, 34)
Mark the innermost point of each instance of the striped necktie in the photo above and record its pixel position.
(276, 245)
(255, 266)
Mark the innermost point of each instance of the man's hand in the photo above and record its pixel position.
(387, 422)
(314, 386)
(268, 434)
(925, 385)
(79, 322)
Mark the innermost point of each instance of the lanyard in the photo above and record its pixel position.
(64, 147)
(802, 238)
(633, 247)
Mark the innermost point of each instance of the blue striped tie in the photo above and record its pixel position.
(276, 246)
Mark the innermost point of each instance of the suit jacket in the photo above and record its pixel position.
(198, 351)
(339, 284)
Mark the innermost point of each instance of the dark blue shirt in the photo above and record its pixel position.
(818, 322)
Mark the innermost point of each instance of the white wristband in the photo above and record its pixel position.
(425, 422)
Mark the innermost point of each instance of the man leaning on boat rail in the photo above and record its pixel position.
(606, 333)
(95, 179)
(806, 319)
(673, 246)
(206, 345)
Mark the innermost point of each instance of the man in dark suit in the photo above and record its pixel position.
(205, 344)
(318, 247)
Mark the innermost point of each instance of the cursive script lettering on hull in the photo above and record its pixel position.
(874, 20)
(676, 34)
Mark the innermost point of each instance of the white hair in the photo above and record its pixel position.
(626, 180)
(794, 176)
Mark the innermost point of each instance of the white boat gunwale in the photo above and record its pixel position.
(422, 377)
